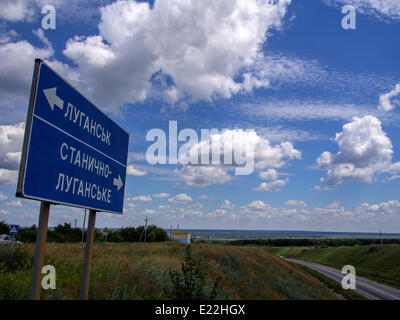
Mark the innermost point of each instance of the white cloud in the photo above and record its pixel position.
(321, 188)
(296, 203)
(258, 209)
(161, 195)
(11, 137)
(131, 171)
(273, 185)
(227, 205)
(393, 177)
(15, 203)
(8, 177)
(16, 74)
(270, 174)
(217, 213)
(384, 209)
(231, 143)
(379, 8)
(364, 150)
(203, 197)
(306, 110)
(149, 212)
(333, 212)
(140, 198)
(180, 198)
(15, 10)
(202, 45)
(384, 100)
(203, 175)
(3, 197)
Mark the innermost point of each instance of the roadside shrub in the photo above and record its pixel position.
(4, 227)
(230, 260)
(190, 283)
(15, 259)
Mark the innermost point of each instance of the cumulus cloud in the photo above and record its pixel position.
(16, 74)
(270, 174)
(364, 150)
(333, 212)
(205, 48)
(389, 9)
(11, 138)
(227, 205)
(3, 197)
(140, 198)
(131, 171)
(233, 149)
(8, 177)
(15, 10)
(296, 203)
(258, 209)
(273, 185)
(180, 198)
(387, 209)
(15, 203)
(161, 195)
(321, 188)
(385, 99)
(200, 176)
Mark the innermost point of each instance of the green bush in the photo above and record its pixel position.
(190, 283)
(4, 227)
(15, 259)
(27, 235)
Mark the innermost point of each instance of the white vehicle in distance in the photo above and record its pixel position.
(8, 240)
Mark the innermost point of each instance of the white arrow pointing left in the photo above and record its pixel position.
(52, 99)
(118, 182)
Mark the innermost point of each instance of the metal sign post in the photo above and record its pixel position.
(88, 255)
(39, 250)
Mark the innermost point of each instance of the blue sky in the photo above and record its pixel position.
(319, 103)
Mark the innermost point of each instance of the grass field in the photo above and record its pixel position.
(141, 271)
(378, 262)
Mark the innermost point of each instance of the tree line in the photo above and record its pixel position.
(65, 233)
(307, 242)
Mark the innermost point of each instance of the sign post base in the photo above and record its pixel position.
(40, 250)
(88, 255)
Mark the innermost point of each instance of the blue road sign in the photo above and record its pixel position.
(14, 228)
(73, 153)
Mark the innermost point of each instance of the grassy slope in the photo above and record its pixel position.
(380, 263)
(140, 271)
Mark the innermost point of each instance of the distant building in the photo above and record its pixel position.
(181, 236)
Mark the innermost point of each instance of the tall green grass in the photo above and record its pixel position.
(143, 271)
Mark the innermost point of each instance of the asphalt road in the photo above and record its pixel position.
(367, 288)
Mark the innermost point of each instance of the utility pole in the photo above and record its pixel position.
(145, 227)
(75, 223)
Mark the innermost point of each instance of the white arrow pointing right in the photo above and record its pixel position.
(118, 182)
